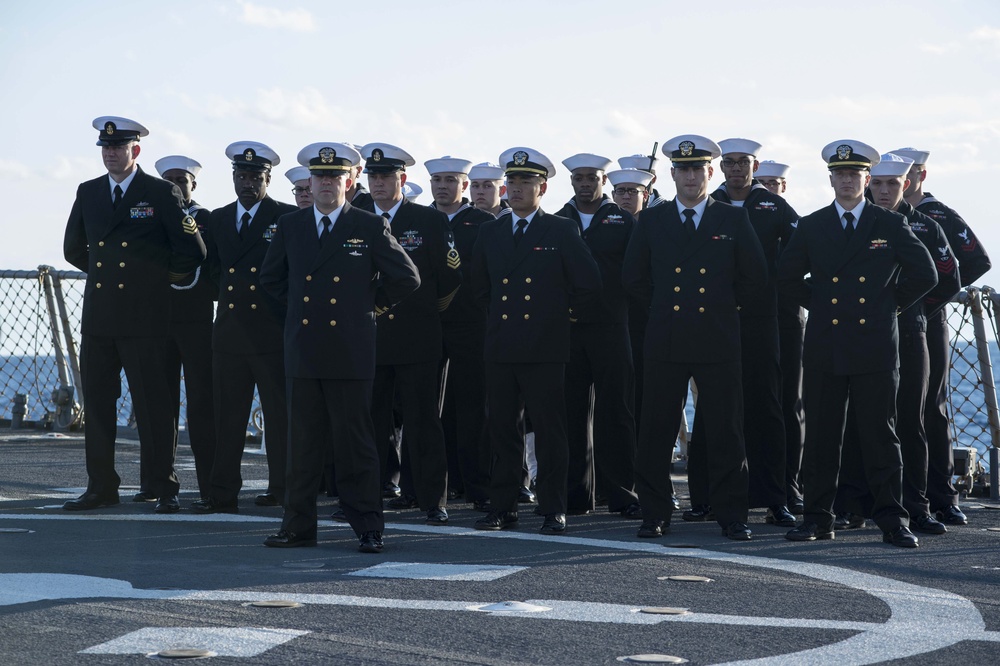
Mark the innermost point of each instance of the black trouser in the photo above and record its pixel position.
(191, 347)
(144, 360)
(600, 425)
(464, 415)
(331, 419)
(234, 377)
(763, 426)
(539, 388)
(424, 473)
(940, 466)
(638, 319)
(720, 402)
(790, 345)
(873, 396)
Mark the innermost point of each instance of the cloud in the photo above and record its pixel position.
(986, 33)
(12, 169)
(298, 20)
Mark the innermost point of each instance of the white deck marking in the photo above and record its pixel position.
(228, 642)
(913, 627)
(432, 571)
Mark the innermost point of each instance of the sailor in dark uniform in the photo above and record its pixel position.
(888, 183)
(246, 338)
(299, 178)
(974, 263)
(645, 163)
(336, 267)
(463, 328)
(630, 189)
(529, 268)
(772, 175)
(763, 425)
(128, 231)
(192, 310)
(695, 260)
(486, 188)
(865, 265)
(601, 429)
(408, 341)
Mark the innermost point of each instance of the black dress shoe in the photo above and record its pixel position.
(144, 496)
(809, 532)
(455, 493)
(848, 521)
(286, 539)
(497, 520)
(901, 537)
(632, 511)
(339, 516)
(403, 502)
(796, 506)
(212, 505)
(481, 505)
(167, 504)
(526, 496)
(390, 490)
(780, 516)
(437, 516)
(652, 529)
(675, 502)
(370, 542)
(927, 524)
(698, 514)
(88, 501)
(267, 499)
(555, 523)
(737, 531)
(952, 515)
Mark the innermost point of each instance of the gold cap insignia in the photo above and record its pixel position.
(844, 152)
(109, 127)
(326, 155)
(377, 155)
(249, 154)
(687, 147)
(520, 158)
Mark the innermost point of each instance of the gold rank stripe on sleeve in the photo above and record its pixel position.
(190, 226)
(454, 261)
(445, 301)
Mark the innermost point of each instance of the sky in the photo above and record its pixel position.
(471, 79)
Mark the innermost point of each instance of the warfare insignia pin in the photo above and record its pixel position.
(270, 231)
(520, 158)
(687, 147)
(326, 155)
(249, 154)
(377, 155)
(109, 127)
(844, 152)
(355, 240)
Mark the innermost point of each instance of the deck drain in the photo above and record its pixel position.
(664, 610)
(687, 579)
(275, 603)
(511, 607)
(653, 659)
(184, 653)
(14, 530)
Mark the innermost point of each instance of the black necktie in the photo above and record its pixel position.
(244, 223)
(118, 196)
(327, 224)
(519, 232)
(689, 222)
(848, 224)
(387, 216)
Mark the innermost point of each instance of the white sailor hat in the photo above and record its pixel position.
(526, 161)
(486, 171)
(745, 146)
(771, 169)
(587, 161)
(171, 162)
(691, 150)
(644, 162)
(918, 156)
(891, 164)
(252, 156)
(328, 157)
(384, 158)
(625, 176)
(115, 130)
(448, 164)
(411, 191)
(295, 174)
(849, 154)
